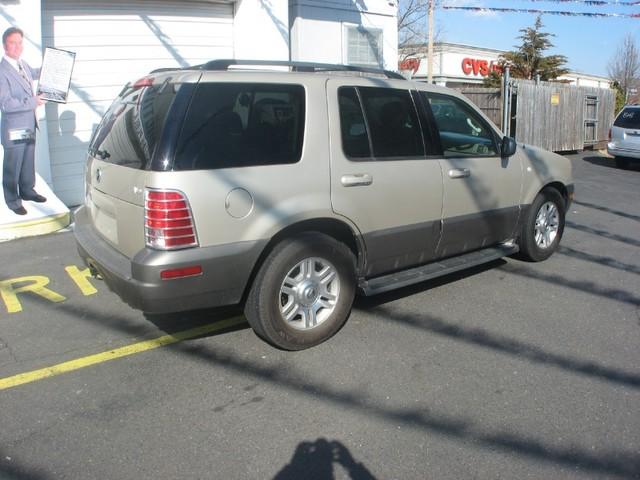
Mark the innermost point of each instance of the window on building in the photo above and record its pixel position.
(364, 46)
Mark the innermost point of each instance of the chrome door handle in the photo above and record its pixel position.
(356, 180)
(459, 173)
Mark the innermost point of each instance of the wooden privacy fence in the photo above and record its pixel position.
(489, 100)
(553, 116)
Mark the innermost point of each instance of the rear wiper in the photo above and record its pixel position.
(100, 154)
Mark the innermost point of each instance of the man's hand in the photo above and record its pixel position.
(40, 100)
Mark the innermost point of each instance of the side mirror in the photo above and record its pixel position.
(509, 146)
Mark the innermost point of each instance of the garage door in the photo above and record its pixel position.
(116, 42)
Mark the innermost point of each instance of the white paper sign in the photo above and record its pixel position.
(55, 74)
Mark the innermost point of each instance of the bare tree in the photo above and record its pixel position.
(624, 66)
(412, 16)
(412, 27)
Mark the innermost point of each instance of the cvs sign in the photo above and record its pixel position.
(479, 67)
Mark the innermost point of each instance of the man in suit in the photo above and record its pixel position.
(18, 126)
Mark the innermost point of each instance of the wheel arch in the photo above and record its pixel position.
(332, 227)
(562, 189)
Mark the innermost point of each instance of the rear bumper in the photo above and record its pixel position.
(619, 151)
(226, 270)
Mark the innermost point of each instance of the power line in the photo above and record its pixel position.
(595, 3)
(542, 12)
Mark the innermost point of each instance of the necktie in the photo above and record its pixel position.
(23, 73)
(26, 79)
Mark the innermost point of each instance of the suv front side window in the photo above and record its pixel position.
(242, 124)
(462, 131)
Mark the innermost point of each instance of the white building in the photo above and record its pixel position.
(456, 65)
(116, 41)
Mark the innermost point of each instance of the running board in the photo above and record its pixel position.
(404, 278)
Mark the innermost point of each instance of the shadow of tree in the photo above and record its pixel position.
(607, 461)
(603, 233)
(608, 210)
(599, 260)
(580, 285)
(509, 346)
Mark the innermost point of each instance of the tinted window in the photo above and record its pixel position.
(462, 131)
(241, 124)
(628, 118)
(130, 130)
(355, 139)
(392, 122)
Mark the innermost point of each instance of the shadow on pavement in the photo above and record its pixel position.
(317, 460)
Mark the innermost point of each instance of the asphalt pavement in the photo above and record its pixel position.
(510, 370)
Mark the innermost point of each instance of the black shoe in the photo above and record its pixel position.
(19, 210)
(36, 198)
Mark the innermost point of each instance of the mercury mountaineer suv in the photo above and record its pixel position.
(288, 191)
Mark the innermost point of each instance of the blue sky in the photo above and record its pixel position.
(588, 43)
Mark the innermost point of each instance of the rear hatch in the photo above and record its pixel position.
(131, 144)
(625, 132)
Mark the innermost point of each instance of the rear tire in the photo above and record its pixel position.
(543, 226)
(303, 292)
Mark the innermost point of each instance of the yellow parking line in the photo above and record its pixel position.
(139, 347)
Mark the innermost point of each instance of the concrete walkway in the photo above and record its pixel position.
(41, 218)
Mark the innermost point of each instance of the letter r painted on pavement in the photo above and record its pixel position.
(35, 284)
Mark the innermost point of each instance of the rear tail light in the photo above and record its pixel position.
(143, 82)
(609, 134)
(168, 220)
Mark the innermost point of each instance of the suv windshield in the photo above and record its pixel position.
(131, 128)
(628, 118)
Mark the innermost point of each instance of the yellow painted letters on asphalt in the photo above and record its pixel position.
(80, 278)
(37, 284)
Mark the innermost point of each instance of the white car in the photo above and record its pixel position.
(624, 136)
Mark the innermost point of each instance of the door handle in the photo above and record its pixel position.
(356, 180)
(459, 173)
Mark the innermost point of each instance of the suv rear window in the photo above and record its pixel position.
(628, 118)
(241, 124)
(131, 128)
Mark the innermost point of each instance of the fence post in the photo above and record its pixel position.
(506, 102)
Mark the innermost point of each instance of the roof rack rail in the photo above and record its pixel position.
(297, 67)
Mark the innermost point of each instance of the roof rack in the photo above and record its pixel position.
(297, 67)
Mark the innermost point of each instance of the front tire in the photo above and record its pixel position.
(303, 292)
(543, 226)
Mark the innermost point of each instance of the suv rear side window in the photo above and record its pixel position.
(462, 131)
(387, 122)
(628, 118)
(241, 124)
(133, 125)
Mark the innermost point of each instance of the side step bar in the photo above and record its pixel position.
(403, 278)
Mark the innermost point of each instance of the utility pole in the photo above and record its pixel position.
(430, 44)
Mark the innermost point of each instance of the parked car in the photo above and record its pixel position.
(290, 191)
(624, 136)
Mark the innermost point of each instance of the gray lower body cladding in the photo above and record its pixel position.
(396, 249)
(226, 270)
